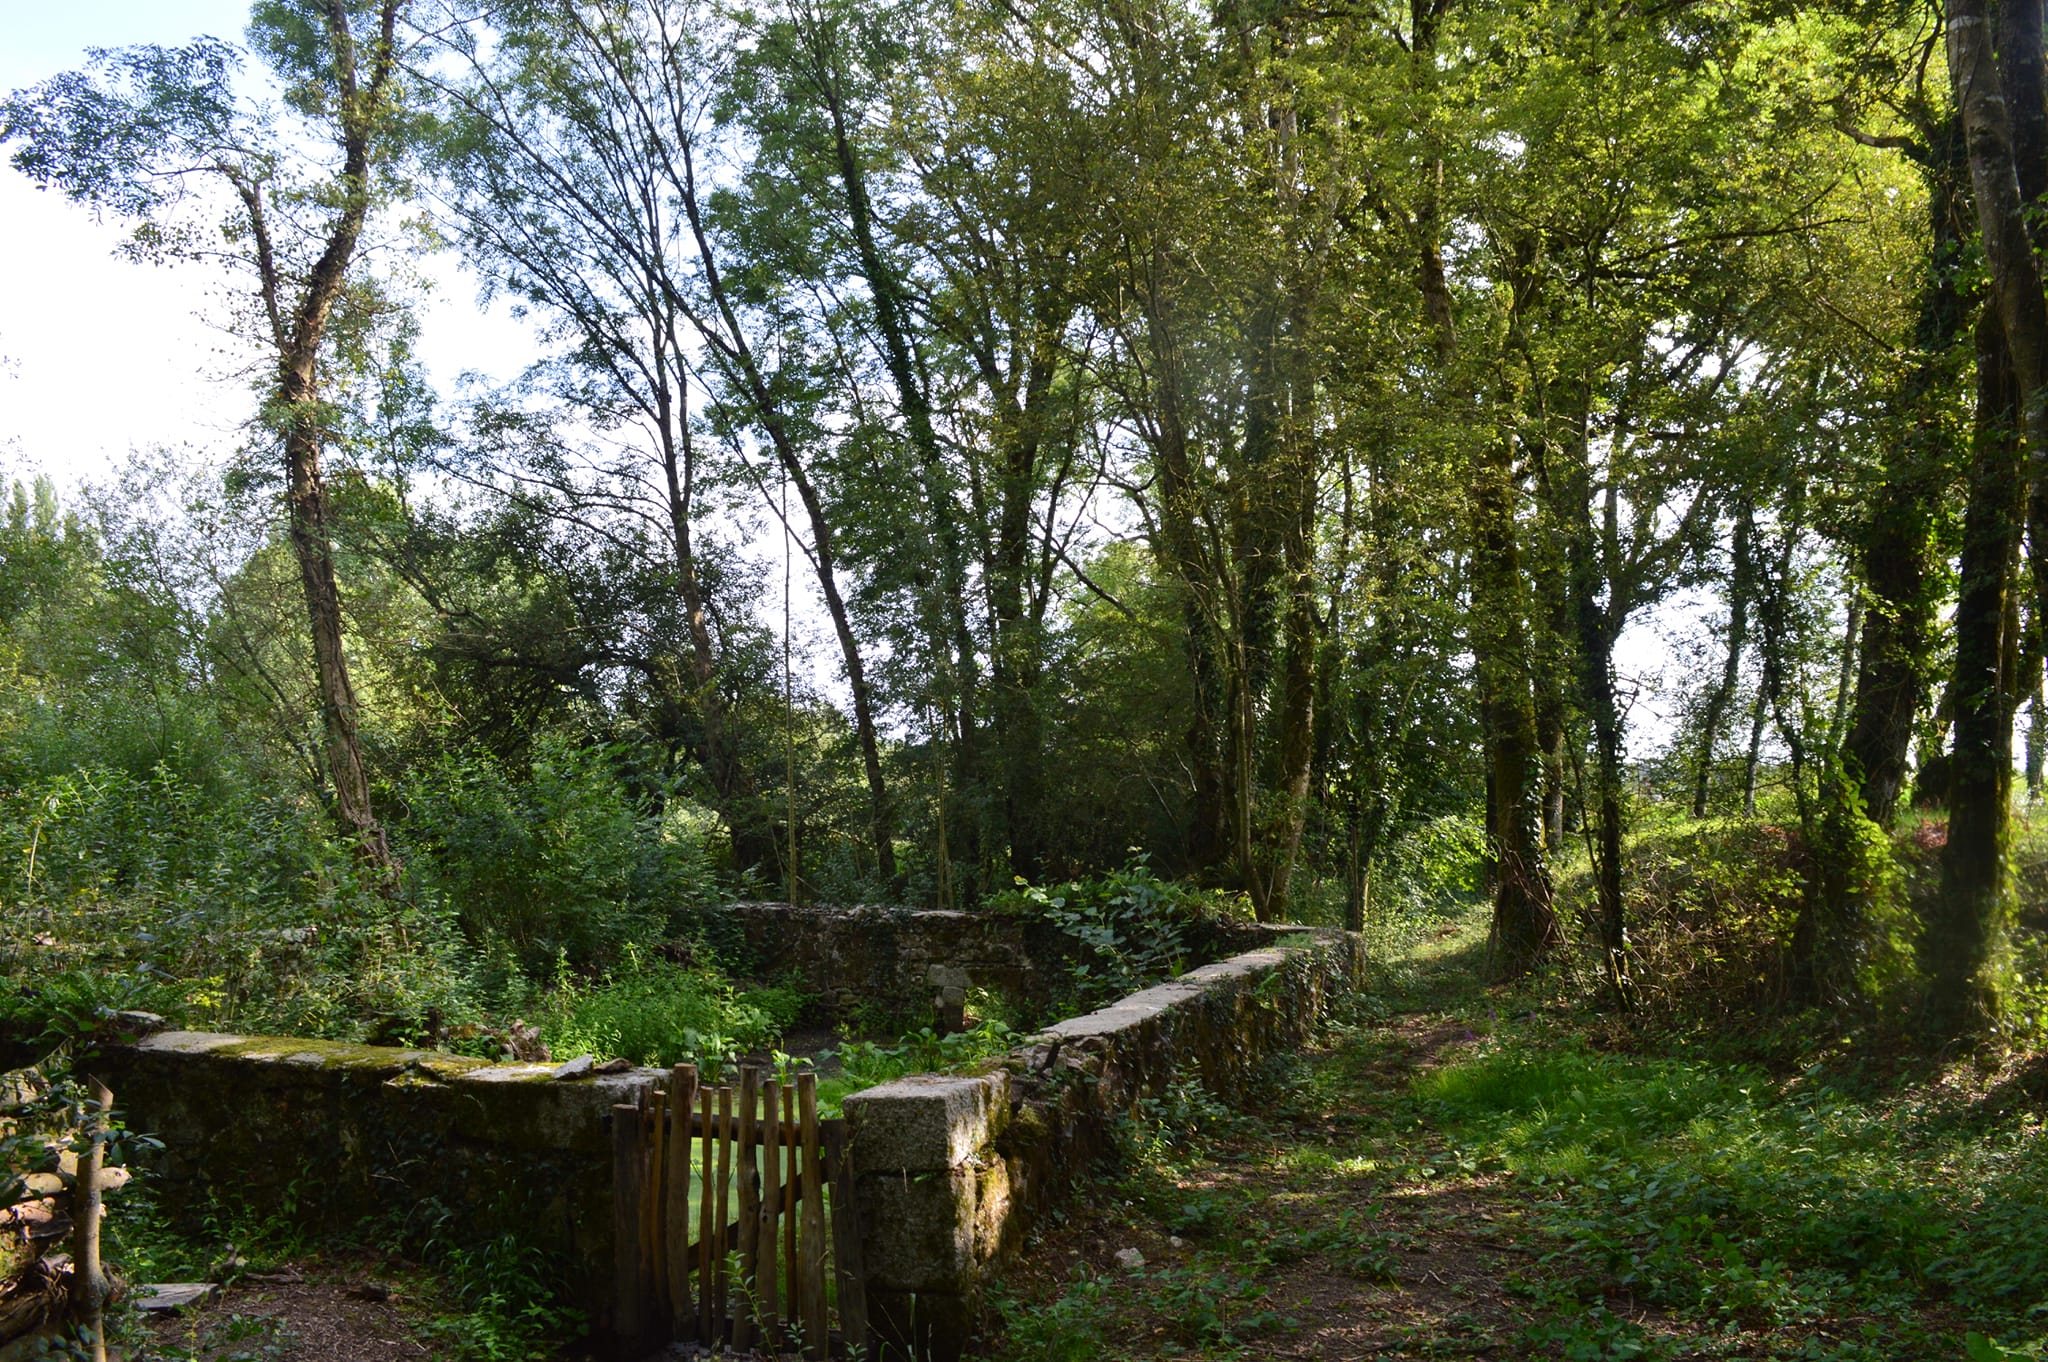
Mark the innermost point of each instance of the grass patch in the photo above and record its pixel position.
(1713, 1192)
(656, 1012)
(1512, 1171)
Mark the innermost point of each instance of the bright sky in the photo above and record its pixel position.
(99, 356)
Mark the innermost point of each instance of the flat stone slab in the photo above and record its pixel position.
(926, 1122)
(170, 1297)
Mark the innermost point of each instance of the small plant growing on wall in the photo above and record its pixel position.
(1129, 929)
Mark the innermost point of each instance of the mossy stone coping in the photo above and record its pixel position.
(396, 1145)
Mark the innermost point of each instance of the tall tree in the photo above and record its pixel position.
(609, 104)
(1998, 90)
(1896, 543)
(140, 130)
(584, 233)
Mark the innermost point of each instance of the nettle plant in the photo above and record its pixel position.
(1130, 929)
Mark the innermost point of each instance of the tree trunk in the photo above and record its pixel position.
(893, 320)
(1553, 684)
(1525, 925)
(1964, 940)
(1895, 550)
(753, 836)
(728, 340)
(1740, 586)
(1017, 654)
(1181, 552)
(1752, 761)
(1607, 868)
(1845, 676)
(298, 338)
(1294, 487)
(313, 546)
(1590, 555)
(90, 1289)
(1018, 657)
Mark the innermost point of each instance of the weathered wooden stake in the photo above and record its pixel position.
(724, 1216)
(744, 1320)
(766, 1269)
(682, 1100)
(706, 1324)
(846, 1258)
(88, 1282)
(791, 1297)
(817, 1328)
(653, 1245)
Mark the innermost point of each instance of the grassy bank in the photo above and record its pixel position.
(1513, 1172)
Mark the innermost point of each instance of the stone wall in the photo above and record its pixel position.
(411, 1141)
(950, 1171)
(902, 958)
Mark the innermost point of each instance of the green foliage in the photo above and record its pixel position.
(226, 908)
(1184, 1114)
(1434, 868)
(503, 1302)
(651, 1011)
(1717, 1193)
(1128, 929)
(559, 860)
(925, 1051)
(1711, 907)
(1067, 1329)
(221, 903)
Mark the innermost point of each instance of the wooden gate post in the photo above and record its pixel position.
(682, 1102)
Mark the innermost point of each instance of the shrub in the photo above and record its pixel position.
(1127, 930)
(221, 908)
(560, 863)
(1711, 906)
(656, 1012)
(924, 1051)
(1431, 870)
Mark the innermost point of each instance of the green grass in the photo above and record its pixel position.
(655, 1012)
(1714, 1192)
(1798, 1186)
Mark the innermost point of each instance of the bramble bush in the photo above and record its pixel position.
(559, 862)
(227, 908)
(225, 905)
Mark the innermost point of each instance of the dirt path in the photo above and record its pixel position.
(1320, 1230)
(298, 1312)
(1332, 1217)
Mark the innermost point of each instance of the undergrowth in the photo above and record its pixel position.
(652, 1011)
(499, 1300)
(1726, 1197)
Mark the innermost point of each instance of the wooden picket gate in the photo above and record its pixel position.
(746, 1265)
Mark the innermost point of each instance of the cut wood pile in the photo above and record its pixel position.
(51, 1281)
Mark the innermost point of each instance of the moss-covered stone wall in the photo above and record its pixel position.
(901, 958)
(951, 1171)
(395, 1145)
